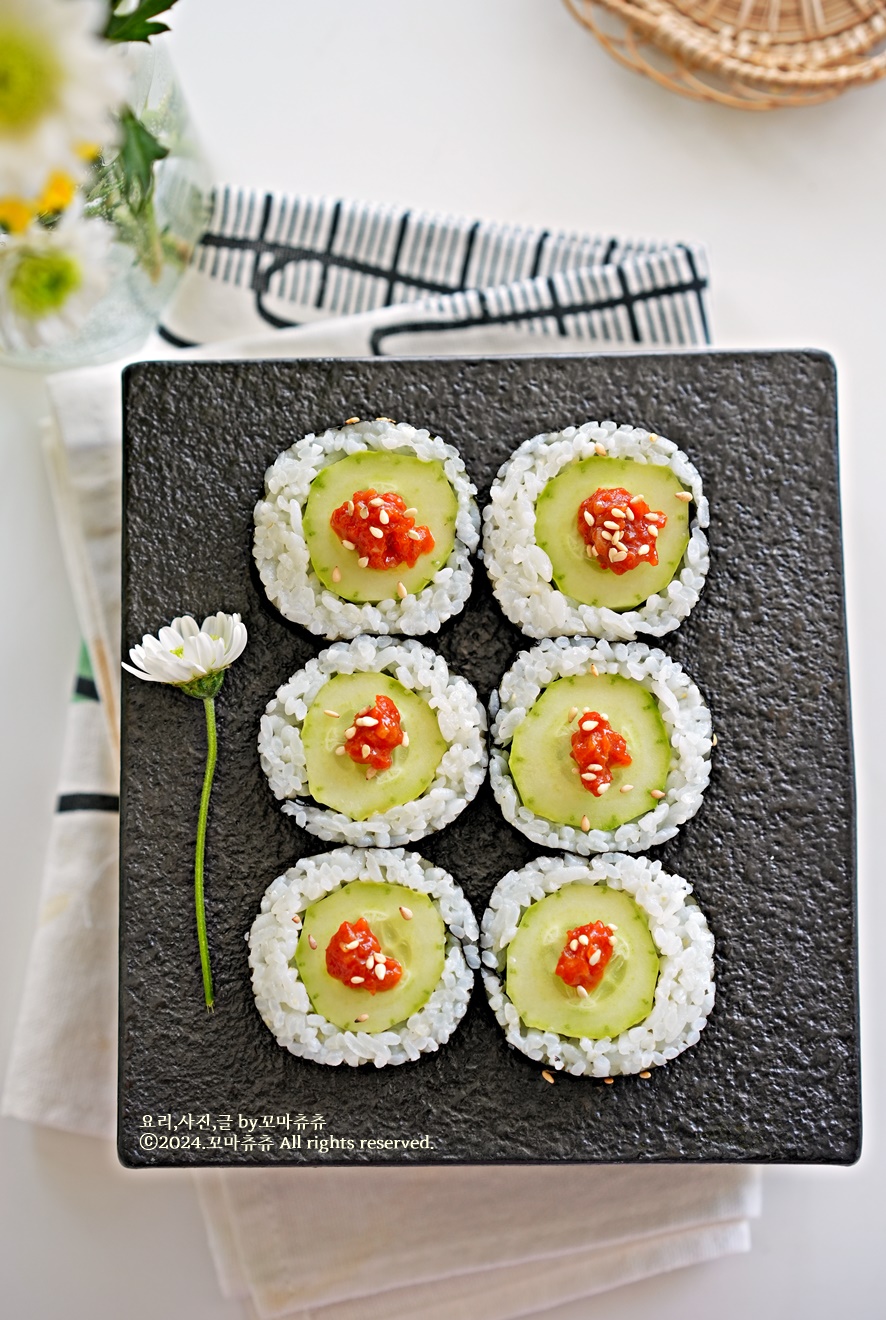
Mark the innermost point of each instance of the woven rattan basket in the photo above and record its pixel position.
(752, 54)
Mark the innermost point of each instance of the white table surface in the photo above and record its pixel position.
(505, 109)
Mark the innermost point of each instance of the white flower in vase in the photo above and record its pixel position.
(51, 277)
(60, 84)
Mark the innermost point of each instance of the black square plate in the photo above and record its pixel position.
(775, 1076)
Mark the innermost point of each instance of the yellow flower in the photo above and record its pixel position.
(58, 193)
(15, 214)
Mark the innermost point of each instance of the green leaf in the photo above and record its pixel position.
(139, 151)
(137, 25)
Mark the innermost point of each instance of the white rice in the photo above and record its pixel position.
(281, 997)
(687, 721)
(281, 552)
(684, 994)
(460, 715)
(521, 572)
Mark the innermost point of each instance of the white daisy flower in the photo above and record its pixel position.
(186, 655)
(51, 278)
(60, 82)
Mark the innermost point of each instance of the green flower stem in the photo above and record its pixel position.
(199, 903)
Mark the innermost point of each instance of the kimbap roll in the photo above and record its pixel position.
(596, 530)
(598, 747)
(374, 742)
(597, 968)
(363, 957)
(367, 528)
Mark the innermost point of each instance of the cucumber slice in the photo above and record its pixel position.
(541, 763)
(419, 945)
(556, 530)
(422, 484)
(626, 992)
(337, 781)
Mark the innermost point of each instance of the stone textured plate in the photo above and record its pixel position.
(775, 1076)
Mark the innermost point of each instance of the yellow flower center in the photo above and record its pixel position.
(58, 193)
(15, 214)
(42, 283)
(29, 79)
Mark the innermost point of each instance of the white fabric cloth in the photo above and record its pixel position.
(444, 1243)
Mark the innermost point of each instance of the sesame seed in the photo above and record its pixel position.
(351, 508)
(381, 957)
(636, 499)
(371, 773)
(644, 550)
(651, 517)
(613, 526)
(645, 1076)
(603, 788)
(381, 971)
(376, 532)
(588, 519)
(405, 742)
(594, 958)
(333, 713)
(351, 421)
(413, 534)
(573, 711)
(370, 962)
(591, 551)
(363, 511)
(595, 767)
(406, 913)
(614, 556)
(585, 824)
(617, 513)
(362, 1017)
(583, 994)
(586, 710)
(626, 788)
(386, 419)
(363, 561)
(383, 518)
(348, 947)
(629, 514)
(683, 495)
(598, 449)
(583, 939)
(365, 750)
(609, 1081)
(602, 715)
(652, 530)
(312, 942)
(376, 503)
(573, 944)
(366, 722)
(547, 1076)
(357, 980)
(348, 545)
(656, 793)
(410, 513)
(595, 671)
(714, 740)
(336, 574)
(587, 775)
(588, 725)
(351, 733)
(401, 591)
(607, 536)
(340, 751)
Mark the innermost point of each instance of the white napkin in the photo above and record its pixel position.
(507, 1242)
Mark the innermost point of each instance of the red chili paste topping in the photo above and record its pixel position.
(585, 955)
(380, 530)
(619, 529)
(354, 957)
(596, 748)
(377, 728)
